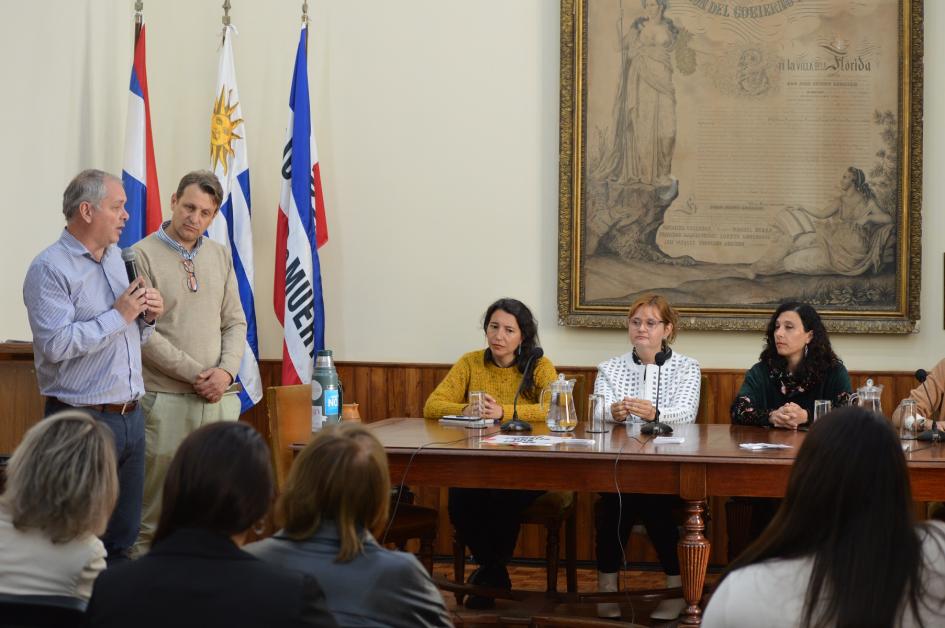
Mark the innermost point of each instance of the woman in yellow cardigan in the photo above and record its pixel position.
(487, 520)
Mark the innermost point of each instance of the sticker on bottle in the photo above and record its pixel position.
(331, 402)
(316, 390)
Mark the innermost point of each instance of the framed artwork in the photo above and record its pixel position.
(734, 154)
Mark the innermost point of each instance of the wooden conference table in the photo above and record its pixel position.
(709, 463)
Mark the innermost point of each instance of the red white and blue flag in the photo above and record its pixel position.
(300, 230)
(139, 173)
(232, 226)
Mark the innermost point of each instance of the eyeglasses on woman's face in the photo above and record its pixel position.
(648, 324)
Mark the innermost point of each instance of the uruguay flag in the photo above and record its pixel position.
(232, 226)
(139, 174)
(300, 230)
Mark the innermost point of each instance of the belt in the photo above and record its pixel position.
(111, 408)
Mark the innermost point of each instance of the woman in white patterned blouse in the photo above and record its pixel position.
(629, 386)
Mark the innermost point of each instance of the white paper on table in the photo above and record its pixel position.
(669, 440)
(757, 446)
(538, 441)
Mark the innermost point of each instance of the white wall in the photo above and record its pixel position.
(437, 123)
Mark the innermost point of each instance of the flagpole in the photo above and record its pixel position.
(305, 23)
(139, 18)
(226, 19)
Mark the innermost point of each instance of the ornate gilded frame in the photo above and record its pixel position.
(575, 310)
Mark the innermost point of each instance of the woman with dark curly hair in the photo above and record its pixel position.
(796, 367)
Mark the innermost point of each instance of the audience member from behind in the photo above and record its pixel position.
(218, 485)
(843, 549)
(61, 488)
(337, 492)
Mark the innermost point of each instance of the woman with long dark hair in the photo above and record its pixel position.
(843, 548)
(218, 486)
(796, 367)
(488, 520)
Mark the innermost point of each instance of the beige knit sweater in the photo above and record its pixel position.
(198, 330)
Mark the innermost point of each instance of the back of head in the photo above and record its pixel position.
(220, 480)
(62, 478)
(341, 476)
(848, 506)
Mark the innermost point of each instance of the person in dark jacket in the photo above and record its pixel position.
(218, 485)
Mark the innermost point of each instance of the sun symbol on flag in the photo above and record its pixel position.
(222, 129)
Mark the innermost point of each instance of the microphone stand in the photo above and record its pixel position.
(516, 424)
(657, 427)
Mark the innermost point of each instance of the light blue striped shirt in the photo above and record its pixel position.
(85, 352)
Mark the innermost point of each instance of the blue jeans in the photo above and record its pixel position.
(128, 430)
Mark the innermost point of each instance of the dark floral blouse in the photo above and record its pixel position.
(766, 389)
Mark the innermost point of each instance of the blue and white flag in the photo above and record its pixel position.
(300, 229)
(232, 225)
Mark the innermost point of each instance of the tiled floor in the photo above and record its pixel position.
(533, 579)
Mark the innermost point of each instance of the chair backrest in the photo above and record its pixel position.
(40, 611)
(706, 402)
(290, 421)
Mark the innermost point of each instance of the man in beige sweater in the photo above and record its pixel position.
(193, 356)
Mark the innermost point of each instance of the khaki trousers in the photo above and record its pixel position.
(168, 419)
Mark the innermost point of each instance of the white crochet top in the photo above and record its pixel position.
(680, 382)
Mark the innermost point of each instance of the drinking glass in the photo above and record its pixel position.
(595, 414)
(821, 407)
(476, 402)
(907, 423)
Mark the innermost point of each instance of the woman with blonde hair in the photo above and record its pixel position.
(336, 494)
(61, 488)
(631, 384)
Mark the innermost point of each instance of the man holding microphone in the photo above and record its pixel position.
(88, 323)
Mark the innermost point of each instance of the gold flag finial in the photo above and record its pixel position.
(305, 12)
(226, 13)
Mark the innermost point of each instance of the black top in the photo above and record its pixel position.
(766, 389)
(195, 578)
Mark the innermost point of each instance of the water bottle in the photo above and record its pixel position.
(327, 391)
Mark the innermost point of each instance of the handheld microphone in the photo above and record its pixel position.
(128, 256)
(516, 424)
(933, 435)
(657, 427)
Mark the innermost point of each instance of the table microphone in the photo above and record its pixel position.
(516, 424)
(657, 427)
(933, 435)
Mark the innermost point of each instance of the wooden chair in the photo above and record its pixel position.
(290, 421)
(551, 510)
